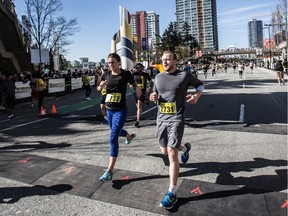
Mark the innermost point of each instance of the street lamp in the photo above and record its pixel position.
(147, 43)
(270, 51)
(162, 41)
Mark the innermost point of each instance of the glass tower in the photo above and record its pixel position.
(255, 33)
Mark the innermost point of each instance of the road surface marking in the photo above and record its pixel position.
(28, 123)
(86, 107)
(149, 110)
(242, 110)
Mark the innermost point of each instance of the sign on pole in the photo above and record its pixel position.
(35, 58)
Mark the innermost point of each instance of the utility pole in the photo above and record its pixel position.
(270, 47)
(147, 43)
(286, 31)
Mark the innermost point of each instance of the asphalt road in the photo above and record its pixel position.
(238, 129)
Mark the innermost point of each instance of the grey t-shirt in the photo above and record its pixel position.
(172, 90)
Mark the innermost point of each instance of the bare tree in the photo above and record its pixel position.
(279, 20)
(47, 30)
(282, 7)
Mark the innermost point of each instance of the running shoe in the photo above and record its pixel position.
(169, 200)
(104, 121)
(107, 176)
(185, 155)
(137, 124)
(128, 141)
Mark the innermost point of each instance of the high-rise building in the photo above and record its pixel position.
(255, 33)
(201, 16)
(145, 25)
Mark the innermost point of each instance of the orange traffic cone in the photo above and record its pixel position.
(53, 111)
(42, 111)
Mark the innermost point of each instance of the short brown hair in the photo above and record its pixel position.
(115, 56)
(170, 52)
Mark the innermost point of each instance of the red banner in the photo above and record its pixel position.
(270, 43)
(198, 54)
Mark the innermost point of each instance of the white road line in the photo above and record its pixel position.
(5, 120)
(86, 107)
(63, 106)
(242, 110)
(149, 109)
(16, 126)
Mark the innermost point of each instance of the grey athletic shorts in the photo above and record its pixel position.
(170, 133)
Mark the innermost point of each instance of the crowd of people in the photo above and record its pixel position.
(279, 66)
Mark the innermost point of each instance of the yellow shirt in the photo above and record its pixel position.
(159, 67)
(86, 80)
(40, 85)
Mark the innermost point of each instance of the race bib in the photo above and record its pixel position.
(113, 98)
(104, 91)
(140, 85)
(168, 108)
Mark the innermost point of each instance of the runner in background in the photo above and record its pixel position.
(33, 87)
(41, 87)
(145, 83)
(104, 77)
(156, 63)
(86, 84)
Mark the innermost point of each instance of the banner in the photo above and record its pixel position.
(92, 80)
(76, 83)
(270, 43)
(23, 90)
(150, 44)
(144, 44)
(56, 85)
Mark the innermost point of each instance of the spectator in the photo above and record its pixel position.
(8, 88)
(1, 93)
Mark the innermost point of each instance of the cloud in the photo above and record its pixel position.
(230, 22)
(245, 9)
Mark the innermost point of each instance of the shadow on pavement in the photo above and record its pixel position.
(276, 182)
(30, 146)
(14, 194)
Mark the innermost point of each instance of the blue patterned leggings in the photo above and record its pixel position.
(116, 120)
